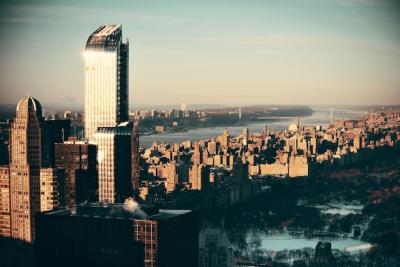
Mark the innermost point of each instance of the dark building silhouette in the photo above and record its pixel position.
(117, 235)
(54, 131)
(135, 157)
(323, 254)
(79, 160)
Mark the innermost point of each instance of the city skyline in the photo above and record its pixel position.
(200, 133)
(330, 52)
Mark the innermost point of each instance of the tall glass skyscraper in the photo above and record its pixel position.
(106, 79)
(115, 162)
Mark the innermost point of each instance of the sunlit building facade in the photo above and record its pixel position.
(51, 180)
(25, 163)
(106, 79)
(5, 222)
(114, 157)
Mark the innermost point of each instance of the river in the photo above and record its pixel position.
(320, 116)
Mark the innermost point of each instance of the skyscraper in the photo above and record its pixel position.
(245, 136)
(106, 79)
(78, 159)
(115, 162)
(54, 131)
(25, 163)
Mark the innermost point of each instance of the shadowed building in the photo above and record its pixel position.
(54, 131)
(106, 79)
(114, 235)
(323, 255)
(135, 157)
(78, 159)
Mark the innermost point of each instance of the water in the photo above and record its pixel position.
(321, 116)
(281, 241)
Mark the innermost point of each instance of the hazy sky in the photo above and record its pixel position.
(226, 52)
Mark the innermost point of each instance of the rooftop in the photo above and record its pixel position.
(116, 211)
(106, 36)
(28, 103)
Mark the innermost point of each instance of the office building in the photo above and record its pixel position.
(117, 235)
(106, 79)
(54, 131)
(5, 211)
(25, 163)
(51, 184)
(79, 160)
(114, 156)
(224, 139)
(245, 136)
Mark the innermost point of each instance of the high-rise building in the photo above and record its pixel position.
(170, 174)
(195, 177)
(117, 235)
(51, 181)
(5, 212)
(114, 156)
(106, 79)
(135, 157)
(79, 160)
(245, 136)
(184, 110)
(25, 163)
(265, 132)
(224, 139)
(212, 147)
(53, 131)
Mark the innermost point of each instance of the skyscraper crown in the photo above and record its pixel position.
(106, 36)
(28, 104)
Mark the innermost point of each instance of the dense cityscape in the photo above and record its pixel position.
(82, 188)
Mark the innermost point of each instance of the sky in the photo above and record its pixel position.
(238, 52)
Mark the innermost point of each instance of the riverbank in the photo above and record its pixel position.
(319, 117)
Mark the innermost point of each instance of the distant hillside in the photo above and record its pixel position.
(267, 110)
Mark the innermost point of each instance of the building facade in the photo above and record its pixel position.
(51, 184)
(25, 163)
(54, 131)
(110, 235)
(114, 162)
(106, 79)
(5, 210)
(79, 160)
